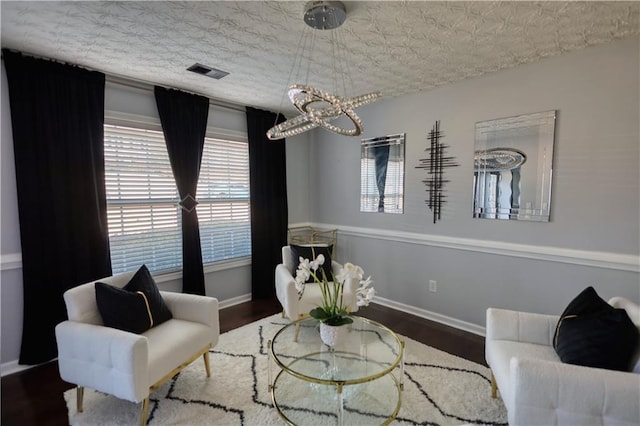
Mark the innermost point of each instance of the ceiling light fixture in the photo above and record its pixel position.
(317, 107)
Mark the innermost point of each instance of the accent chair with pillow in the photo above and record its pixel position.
(125, 338)
(580, 368)
(294, 307)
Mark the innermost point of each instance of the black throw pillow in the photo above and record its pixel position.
(122, 309)
(136, 307)
(311, 252)
(143, 281)
(593, 333)
(587, 302)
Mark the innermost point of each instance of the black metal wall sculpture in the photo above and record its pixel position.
(435, 165)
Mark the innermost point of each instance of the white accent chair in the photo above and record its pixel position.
(295, 308)
(127, 365)
(538, 389)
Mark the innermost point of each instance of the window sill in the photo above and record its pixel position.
(208, 268)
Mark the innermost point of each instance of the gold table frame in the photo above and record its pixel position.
(288, 367)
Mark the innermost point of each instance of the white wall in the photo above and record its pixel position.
(592, 238)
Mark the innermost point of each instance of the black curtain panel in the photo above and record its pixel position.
(57, 116)
(184, 124)
(269, 211)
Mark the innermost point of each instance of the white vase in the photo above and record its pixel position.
(332, 335)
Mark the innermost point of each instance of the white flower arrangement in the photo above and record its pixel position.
(332, 311)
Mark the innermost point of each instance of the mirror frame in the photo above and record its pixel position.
(513, 167)
(376, 154)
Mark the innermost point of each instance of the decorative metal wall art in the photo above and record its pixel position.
(435, 165)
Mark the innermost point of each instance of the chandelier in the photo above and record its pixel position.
(317, 107)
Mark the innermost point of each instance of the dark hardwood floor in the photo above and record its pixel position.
(34, 396)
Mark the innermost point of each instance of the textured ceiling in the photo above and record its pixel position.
(394, 47)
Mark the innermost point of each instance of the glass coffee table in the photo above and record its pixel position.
(352, 383)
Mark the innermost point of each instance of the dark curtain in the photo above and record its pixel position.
(269, 211)
(57, 115)
(184, 124)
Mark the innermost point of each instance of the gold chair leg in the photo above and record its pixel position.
(79, 398)
(145, 412)
(283, 314)
(207, 365)
(494, 386)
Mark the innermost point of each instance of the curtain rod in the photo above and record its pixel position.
(148, 86)
(132, 82)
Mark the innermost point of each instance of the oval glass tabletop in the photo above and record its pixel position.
(369, 351)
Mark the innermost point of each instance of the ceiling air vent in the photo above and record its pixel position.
(208, 71)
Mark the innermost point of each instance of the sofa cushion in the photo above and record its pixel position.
(592, 333)
(311, 252)
(186, 339)
(136, 307)
(500, 353)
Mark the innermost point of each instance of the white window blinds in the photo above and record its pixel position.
(143, 216)
(223, 194)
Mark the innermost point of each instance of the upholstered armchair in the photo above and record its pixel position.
(124, 364)
(294, 307)
(538, 389)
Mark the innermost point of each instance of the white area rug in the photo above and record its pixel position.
(439, 389)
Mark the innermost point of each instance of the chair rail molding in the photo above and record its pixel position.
(597, 259)
(14, 261)
(10, 261)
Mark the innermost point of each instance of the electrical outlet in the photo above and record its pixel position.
(433, 286)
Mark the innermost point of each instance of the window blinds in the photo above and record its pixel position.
(143, 216)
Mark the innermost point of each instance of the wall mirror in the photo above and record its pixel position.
(513, 167)
(382, 174)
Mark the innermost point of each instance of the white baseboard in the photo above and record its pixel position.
(11, 367)
(234, 301)
(433, 316)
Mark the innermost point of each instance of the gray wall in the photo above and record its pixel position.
(592, 238)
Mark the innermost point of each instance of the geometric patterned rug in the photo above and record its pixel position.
(439, 389)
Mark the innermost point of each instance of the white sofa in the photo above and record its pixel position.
(538, 389)
(293, 306)
(127, 365)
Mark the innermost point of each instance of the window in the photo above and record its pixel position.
(223, 196)
(143, 216)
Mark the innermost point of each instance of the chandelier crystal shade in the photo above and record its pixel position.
(319, 108)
